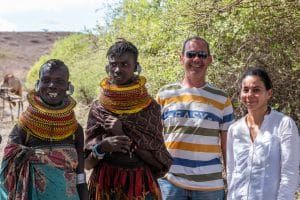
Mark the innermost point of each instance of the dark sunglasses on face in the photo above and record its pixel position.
(193, 54)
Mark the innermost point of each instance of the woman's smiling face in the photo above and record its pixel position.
(254, 94)
(53, 85)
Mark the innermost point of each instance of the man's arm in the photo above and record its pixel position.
(223, 136)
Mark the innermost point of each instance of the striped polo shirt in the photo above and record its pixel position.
(193, 119)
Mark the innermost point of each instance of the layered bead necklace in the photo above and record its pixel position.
(49, 123)
(125, 99)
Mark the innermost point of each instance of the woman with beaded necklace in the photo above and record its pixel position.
(124, 144)
(44, 156)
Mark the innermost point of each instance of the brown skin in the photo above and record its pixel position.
(121, 71)
(119, 143)
(55, 82)
(79, 143)
(194, 75)
(115, 126)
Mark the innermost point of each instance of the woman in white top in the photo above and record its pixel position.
(262, 147)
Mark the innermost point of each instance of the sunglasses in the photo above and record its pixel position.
(193, 54)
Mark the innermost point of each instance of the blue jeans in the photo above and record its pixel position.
(172, 192)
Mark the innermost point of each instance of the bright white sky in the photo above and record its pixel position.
(51, 15)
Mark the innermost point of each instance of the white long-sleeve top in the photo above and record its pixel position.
(268, 168)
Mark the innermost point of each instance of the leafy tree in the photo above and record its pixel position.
(241, 33)
(254, 33)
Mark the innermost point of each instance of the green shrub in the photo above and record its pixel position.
(241, 34)
(85, 61)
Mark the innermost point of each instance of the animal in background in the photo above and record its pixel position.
(13, 83)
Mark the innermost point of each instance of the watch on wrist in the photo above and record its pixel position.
(96, 152)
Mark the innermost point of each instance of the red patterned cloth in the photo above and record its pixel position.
(25, 170)
(145, 130)
(108, 182)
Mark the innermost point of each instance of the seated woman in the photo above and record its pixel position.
(124, 140)
(44, 158)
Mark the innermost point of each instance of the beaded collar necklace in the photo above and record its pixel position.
(49, 123)
(126, 99)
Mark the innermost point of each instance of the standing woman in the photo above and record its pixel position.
(44, 158)
(124, 143)
(262, 147)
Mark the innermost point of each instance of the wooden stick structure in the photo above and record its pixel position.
(12, 100)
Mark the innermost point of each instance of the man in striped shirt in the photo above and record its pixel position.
(196, 116)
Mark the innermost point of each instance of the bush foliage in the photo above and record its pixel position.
(241, 34)
(85, 61)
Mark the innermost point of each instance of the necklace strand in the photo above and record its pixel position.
(125, 99)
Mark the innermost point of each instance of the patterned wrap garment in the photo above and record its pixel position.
(41, 172)
(118, 175)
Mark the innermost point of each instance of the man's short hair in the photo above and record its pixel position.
(195, 38)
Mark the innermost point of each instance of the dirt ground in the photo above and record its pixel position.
(20, 50)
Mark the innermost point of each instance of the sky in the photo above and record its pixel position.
(51, 15)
